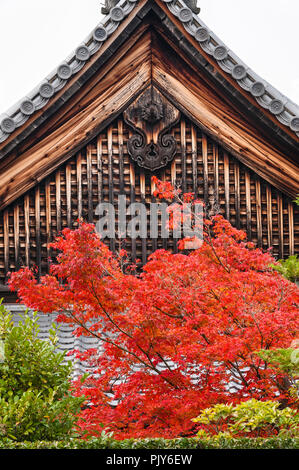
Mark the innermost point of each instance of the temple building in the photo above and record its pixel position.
(151, 91)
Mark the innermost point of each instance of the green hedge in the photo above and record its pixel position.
(182, 443)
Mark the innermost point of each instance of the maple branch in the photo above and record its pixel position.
(127, 334)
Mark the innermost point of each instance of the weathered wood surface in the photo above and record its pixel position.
(107, 53)
(107, 95)
(151, 117)
(188, 45)
(79, 158)
(193, 93)
(145, 58)
(102, 170)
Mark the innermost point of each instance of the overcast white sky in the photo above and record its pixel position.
(36, 35)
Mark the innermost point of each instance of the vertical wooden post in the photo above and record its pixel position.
(269, 215)
(205, 169)
(68, 195)
(194, 159)
(258, 212)
(6, 240)
(173, 173)
(110, 175)
(16, 213)
(132, 198)
(142, 193)
(163, 178)
(37, 231)
(79, 184)
(89, 183)
(27, 229)
(100, 169)
(248, 204)
(291, 228)
(216, 173)
(237, 193)
(183, 154)
(121, 156)
(226, 185)
(173, 182)
(48, 218)
(58, 200)
(153, 200)
(280, 224)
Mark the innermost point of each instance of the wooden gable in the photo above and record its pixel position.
(73, 153)
(102, 170)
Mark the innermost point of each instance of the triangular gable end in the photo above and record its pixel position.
(239, 87)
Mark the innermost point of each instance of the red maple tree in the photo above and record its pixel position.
(177, 338)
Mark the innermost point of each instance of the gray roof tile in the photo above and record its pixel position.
(285, 111)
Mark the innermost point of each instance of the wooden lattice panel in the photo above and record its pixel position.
(103, 169)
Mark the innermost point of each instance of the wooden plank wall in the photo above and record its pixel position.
(102, 170)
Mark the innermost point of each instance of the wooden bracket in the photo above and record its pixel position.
(151, 117)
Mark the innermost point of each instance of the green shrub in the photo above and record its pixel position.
(35, 392)
(252, 418)
(288, 268)
(286, 360)
(182, 443)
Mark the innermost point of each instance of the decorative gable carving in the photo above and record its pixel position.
(151, 118)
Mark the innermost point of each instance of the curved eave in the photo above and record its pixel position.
(270, 106)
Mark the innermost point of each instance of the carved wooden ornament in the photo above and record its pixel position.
(151, 117)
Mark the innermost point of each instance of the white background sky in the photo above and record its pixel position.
(36, 35)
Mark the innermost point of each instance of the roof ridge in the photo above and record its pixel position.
(284, 109)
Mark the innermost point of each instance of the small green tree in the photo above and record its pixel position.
(36, 400)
